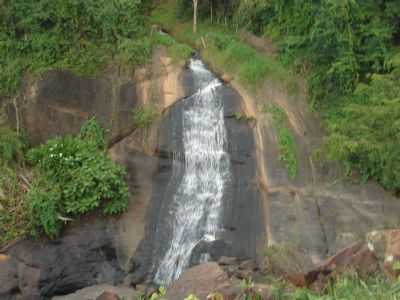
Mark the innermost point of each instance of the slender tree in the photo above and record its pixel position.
(195, 2)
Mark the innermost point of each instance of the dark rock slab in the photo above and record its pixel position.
(84, 256)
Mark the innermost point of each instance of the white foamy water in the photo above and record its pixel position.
(197, 203)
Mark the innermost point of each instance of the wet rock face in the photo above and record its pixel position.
(242, 233)
(243, 216)
(84, 256)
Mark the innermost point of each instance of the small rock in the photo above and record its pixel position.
(227, 261)
(243, 274)
(226, 78)
(108, 296)
(248, 265)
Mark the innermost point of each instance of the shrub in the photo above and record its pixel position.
(176, 50)
(144, 116)
(76, 177)
(12, 146)
(228, 53)
(14, 217)
(14, 211)
(45, 207)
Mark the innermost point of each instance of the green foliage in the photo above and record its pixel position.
(14, 212)
(191, 297)
(341, 41)
(144, 116)
(175, 50)
(92, 132)
(243, 117)
(75, 176)
(159, 295)
(12, 146)
(347, 288)
(224, 50)
(80, 35)
(252, 68)
(14, 217)
(46, 206)
(346, 50)
(286, 141)
(365, 132)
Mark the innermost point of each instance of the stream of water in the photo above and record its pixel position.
(197, 203)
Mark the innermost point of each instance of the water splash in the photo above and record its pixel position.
(197, 203)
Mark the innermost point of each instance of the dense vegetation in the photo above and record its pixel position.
(45, 187)
(80, 35)
(349, 52)
(14, 216)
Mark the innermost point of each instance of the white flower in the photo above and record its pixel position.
(371, 246)
(389, 258)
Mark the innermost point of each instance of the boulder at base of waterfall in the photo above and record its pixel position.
(102, 292)
(385, 245)
(41, 269)
(201, 281)
(356, 258)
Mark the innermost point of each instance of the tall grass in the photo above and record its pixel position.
(346, 288)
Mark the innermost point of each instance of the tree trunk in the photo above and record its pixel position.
(195, 16)
(211, 12)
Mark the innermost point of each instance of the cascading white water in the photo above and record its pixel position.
(197, 203)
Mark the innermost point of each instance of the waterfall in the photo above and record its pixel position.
(197, 203)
